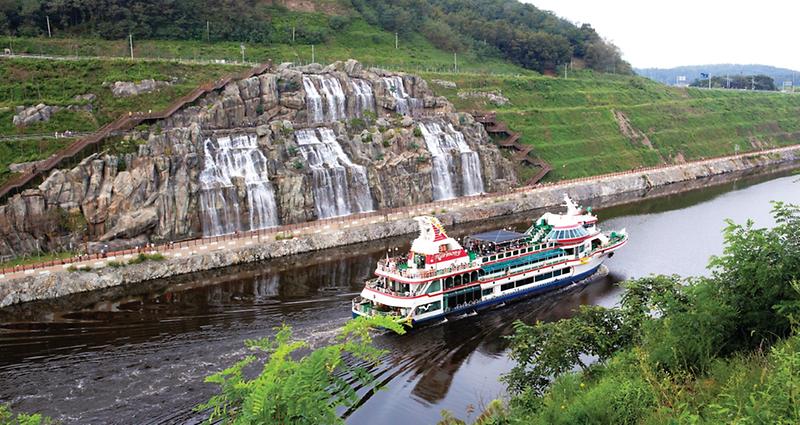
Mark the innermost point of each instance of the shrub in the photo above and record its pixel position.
(417, 132)
(339, 22)
(284, 236)
(142, 257)
(297, 165)
(115, 264)
(413, 146)
(296, 388)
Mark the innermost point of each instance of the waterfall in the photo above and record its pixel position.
(334, 96)
(365, 99)
(231, 160)
(406, 105)
(441, 144)
(335, 193)
(470, 164)
(313, 102)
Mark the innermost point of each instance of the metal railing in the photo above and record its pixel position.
(289, 231)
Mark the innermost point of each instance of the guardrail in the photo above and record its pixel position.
(121, 124)
(291, 230)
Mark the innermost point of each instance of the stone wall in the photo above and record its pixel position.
(615, 188)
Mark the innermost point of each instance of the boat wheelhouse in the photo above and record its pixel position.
(440, 277)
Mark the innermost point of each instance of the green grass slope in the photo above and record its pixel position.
(573, 123)
(357, 39)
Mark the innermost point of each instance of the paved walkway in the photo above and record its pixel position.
(200, 246)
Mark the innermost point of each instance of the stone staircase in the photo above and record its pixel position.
(522, 153)
(122, 124)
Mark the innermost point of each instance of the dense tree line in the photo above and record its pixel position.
(739, 82)
(228, 20)
(520, 32)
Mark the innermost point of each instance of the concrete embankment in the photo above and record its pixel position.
(55, 283)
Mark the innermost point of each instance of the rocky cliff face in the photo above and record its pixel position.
(292, 145)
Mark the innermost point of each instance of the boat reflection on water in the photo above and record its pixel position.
(434, 354)
(139, 354)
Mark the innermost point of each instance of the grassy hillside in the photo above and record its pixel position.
(575, 123)
(29, 82)
(358, 39)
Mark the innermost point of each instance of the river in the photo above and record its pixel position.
(138, 355)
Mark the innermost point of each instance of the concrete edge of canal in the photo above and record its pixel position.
(58, 281)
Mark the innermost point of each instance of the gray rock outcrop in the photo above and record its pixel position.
(131, 88)
(157, 193)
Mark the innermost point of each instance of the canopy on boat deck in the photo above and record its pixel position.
(528, 259)
(498, 236)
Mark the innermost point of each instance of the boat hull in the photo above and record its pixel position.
(517, 295)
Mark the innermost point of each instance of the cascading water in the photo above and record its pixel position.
(316, 114)
(470, 164)
(441, 144)
(334, 96)
(365, 99)
(228, 160)
(406, 105)
(335, 193)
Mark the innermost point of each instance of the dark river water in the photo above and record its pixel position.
(138, 355)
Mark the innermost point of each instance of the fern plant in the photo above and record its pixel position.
(293, 389)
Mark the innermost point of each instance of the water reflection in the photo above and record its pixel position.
(138, 354)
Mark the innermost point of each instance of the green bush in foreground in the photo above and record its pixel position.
(298, 389)
(7, 417)
(716, 350)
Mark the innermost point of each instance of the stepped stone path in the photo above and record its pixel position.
(124, 123)
(523, 153)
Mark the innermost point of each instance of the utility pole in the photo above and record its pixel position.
(293, 31)
(753, 83)
(313, 54)
(130, 39)
(455, 62)
(565, 71)
(396, 41)
(208, 31)
(241, 46)
(48, 27)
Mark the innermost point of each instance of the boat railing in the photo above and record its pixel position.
(385, 267)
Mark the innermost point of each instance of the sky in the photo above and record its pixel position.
(666, 34)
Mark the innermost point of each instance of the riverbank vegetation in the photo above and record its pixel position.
(296, 386)
(703, 350)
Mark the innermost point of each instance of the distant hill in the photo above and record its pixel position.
(669, 75)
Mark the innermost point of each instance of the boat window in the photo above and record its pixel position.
(466, 278)
(448, 282)
(427, 308)
(492, 258)
(457, 280)
(516, 252)
(506, 286)
(487, 291)
(475, 276)
(435, 286)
